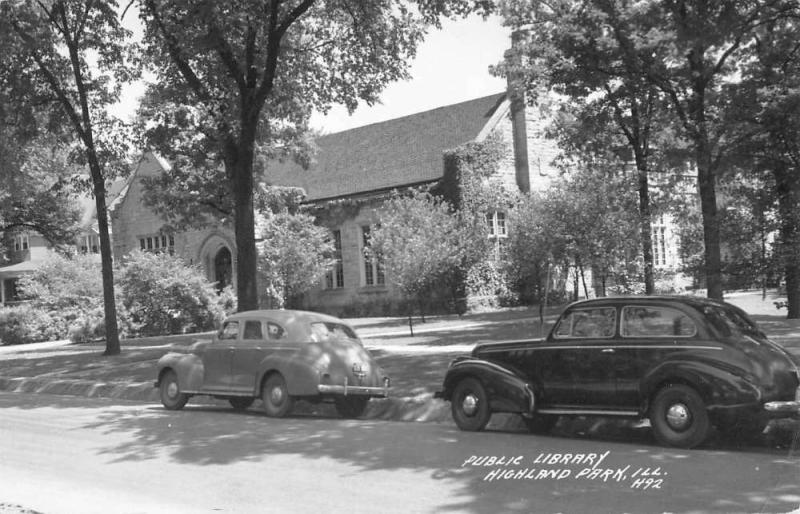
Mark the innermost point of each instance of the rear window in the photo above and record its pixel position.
(325, 330)
(730, 322)
(587, 323)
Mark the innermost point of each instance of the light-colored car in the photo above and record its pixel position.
(278, 356)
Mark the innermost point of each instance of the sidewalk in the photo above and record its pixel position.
(416, 364)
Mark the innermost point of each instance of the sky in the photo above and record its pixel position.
(451, 66)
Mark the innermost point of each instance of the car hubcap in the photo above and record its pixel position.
(276, 395)
(678, 416)
(470, 404)
(172, 389)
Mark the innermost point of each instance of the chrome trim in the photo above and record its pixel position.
(346, 389)
(606, 346)
(590, 412)
(781, 407)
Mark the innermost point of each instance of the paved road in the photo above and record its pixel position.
(75, 455)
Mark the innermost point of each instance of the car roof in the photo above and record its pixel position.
(286, 316)
(697, 302)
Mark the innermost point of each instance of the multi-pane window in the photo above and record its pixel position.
(659, 242)
(334, 278)
(89, 244)
(158, 243)
(496, 222)
(21, 242)
(373, 268)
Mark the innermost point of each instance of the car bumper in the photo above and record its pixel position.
(784, 407)
(347, 389)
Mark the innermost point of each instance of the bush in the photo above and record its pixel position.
(25, 323)
(161, 295)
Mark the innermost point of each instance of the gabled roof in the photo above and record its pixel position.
(401, 152)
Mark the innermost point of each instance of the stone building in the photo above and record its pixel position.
(351, 173)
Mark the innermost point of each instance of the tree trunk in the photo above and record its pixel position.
(241, 163)
(645, 226)
(106, 264)
(788, 192)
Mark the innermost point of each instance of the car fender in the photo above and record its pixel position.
(717, 386)
(507, 390)
(301, 378)
(188, 367)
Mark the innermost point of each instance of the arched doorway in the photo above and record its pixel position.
(223, 268)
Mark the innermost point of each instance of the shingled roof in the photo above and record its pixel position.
(395, 153)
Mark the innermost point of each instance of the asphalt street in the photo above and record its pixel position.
(75, 455)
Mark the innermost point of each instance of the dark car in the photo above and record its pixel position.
(686, 363)
(278, 356)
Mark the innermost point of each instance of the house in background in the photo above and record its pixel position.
(28, 249)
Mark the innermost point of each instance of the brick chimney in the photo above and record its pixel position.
(516, 95)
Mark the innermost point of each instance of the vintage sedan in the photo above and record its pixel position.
(278, 356)
(686, 363)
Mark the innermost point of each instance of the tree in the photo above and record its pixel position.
(565, 47)
(240, 79)
(293, 251)
(689, 51)
(81, 57)
(423, 245)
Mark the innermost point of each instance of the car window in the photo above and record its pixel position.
(585, 323)
(324, 330)
(640, 321)
(729, 322)
(252, 330)
(275, 331)
(230, 330)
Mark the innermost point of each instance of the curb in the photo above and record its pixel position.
(420, 408)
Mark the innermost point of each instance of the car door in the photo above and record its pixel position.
(248, 353)
(217, 358)
(650, 335)
(585, 358)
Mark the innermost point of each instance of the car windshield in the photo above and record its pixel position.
(730, 322)
(325, 330)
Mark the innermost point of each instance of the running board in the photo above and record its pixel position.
(590, 412)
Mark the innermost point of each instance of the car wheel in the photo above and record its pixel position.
(679, 418)
(241, 403)
(171, 396)
(351, 406)
(470, 405)
(540, 423)
(275, 394)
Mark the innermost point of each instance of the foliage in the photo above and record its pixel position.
(236, 82)
(161, 295)
(64, 293)
(424, 245)
(581, 221)
(26, 323)
(294, 252)
(79, 56)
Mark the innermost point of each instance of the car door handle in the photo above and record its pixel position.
(607, 350)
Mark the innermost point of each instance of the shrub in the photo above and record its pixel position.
(161, 295)
(26, 323)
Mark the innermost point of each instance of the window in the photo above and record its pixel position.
(21, 242)
(230, 330)
(496, 222)
(252, 330)
(322, 331)
(158, 243)
(373, 268)
(588, 323)
(275, 331)
(659, 242)
(334, 278)
(640, 321)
